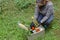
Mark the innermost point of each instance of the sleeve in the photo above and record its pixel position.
(49, 12)
(36, 11)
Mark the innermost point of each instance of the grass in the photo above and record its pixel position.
(10, 16)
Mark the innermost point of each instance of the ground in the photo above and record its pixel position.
(11, 15)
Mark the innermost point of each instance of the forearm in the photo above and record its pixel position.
(44, 19)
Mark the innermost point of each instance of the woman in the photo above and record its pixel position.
(44, 12)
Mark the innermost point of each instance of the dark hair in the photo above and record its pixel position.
(37, 1)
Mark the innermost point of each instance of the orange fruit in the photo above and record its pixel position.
(37, 29)
(33, 28)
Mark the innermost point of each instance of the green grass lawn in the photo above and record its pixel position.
(10, 15)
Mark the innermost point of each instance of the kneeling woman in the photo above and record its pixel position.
(44, 12)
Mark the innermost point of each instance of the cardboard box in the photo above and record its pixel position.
(36, 35)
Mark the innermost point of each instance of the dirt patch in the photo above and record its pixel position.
(57, 34)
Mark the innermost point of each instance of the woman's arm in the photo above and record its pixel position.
(50, 11)
(36, 11)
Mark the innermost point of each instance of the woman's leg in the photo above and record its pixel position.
(48, 21)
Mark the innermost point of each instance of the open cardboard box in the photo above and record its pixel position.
(35, 35)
